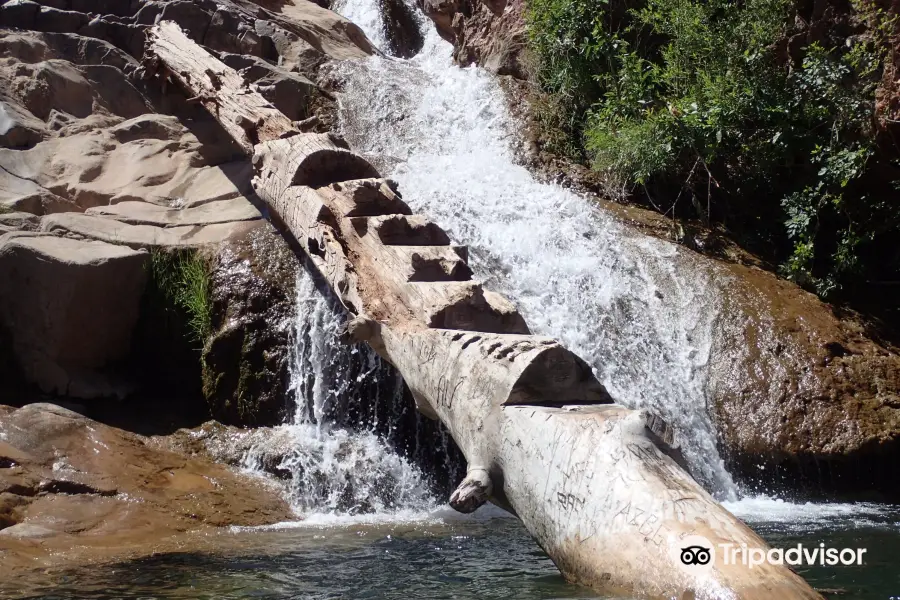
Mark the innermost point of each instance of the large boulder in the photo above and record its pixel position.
(489, 33)
(68, 308)
(802, 399)
(85, 488)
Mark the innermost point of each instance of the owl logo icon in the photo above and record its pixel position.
(695, 555)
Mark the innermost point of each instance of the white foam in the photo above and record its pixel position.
(769, 510)
(435, 517)
(335, 474)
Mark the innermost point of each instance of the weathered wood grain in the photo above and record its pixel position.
(245, 115)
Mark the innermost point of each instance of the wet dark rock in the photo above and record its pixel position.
(246, 360)
(19, 13)
(489, 33)
(78, 108)
(402, 28)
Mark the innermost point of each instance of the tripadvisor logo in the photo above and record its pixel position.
(696, 554)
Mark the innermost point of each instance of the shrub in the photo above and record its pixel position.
(707, 109)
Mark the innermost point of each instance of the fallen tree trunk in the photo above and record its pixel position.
(590, 479)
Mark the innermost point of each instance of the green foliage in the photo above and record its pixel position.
(183, 278)
(704, 100)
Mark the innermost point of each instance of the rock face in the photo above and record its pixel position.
(68, 308)
(92, 157)
(488, 33)
(245, 361)
(803, 400)
(68, 481)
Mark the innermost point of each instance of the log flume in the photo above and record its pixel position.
(592, 481)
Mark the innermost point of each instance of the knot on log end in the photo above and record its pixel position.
(472, 492)
(360, 329)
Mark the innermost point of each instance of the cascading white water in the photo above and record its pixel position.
(334, 466)
(638, 309)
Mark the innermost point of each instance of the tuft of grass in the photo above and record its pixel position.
(183, 278)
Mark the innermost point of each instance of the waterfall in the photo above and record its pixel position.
(336, 456)
(640, 310)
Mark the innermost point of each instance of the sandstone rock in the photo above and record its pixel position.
(490, 34)
(144, 213)
(324, 30)
(18, 127)
(52, 84)
(808, 397)
(20, 221)
(81, 121)
(112, 231)
(114, 92)
(64, 95)
(157, 161)
(68, 307)
(80, 486)
(36, 201)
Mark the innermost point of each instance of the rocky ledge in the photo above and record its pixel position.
(72, 489)
(99, 169)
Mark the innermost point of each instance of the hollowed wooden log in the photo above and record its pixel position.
(591, 480)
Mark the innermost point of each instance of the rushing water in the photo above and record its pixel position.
(636, 308)
(353, 447)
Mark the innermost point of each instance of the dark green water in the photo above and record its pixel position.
(458, 560)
